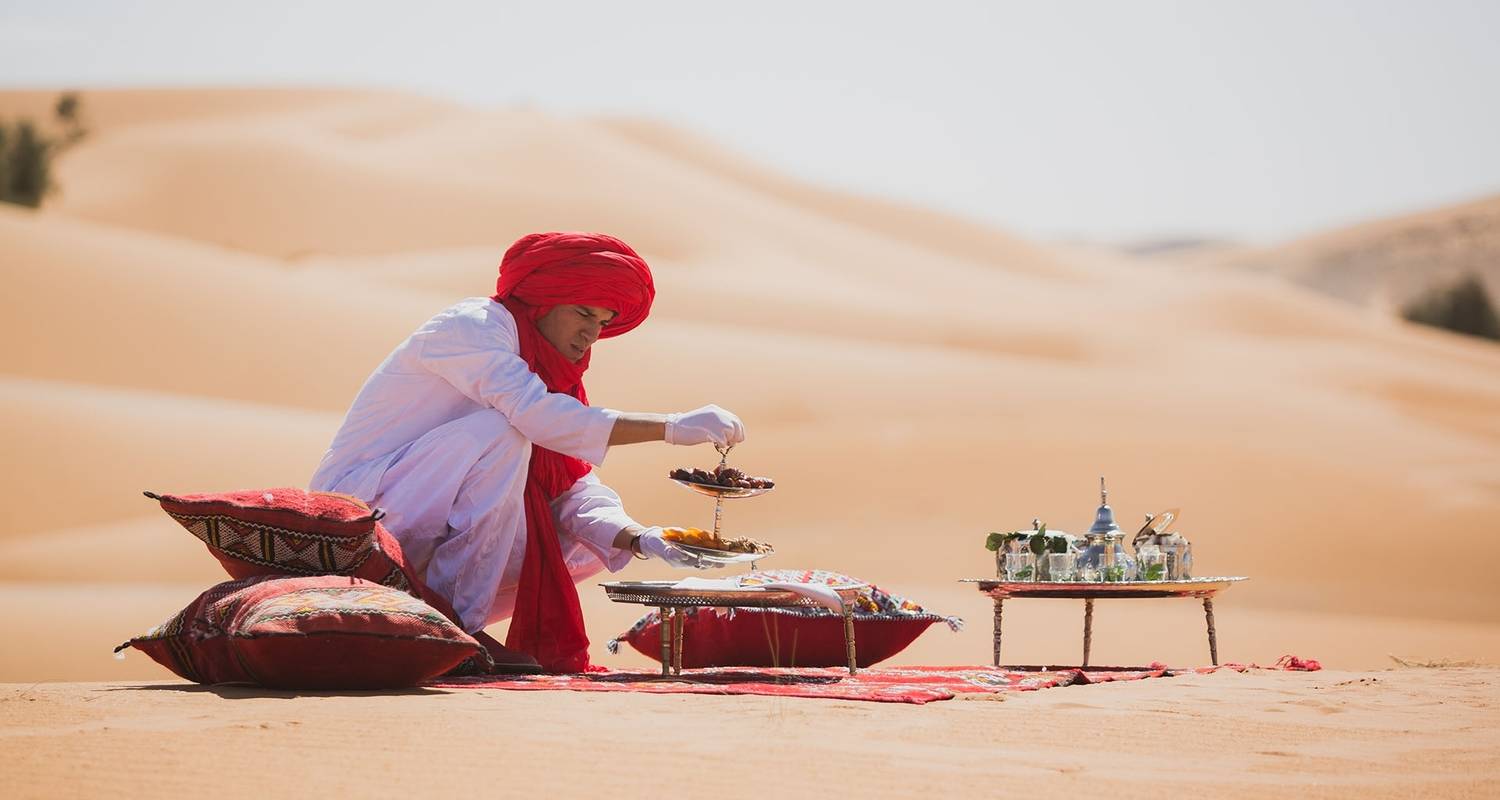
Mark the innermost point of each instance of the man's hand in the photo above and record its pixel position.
(653, 545)
(707, 424)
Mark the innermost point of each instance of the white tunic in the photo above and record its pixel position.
(440, 438)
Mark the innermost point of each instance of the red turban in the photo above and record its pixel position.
(539, 272)
(587, 269)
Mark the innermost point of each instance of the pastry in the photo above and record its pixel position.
(697, 537)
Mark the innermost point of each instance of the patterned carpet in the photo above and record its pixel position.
(877, 684)
(880, 684)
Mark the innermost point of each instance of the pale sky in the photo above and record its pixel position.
(1256, 120)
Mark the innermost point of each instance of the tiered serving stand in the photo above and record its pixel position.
(719, 494)
(672, 601)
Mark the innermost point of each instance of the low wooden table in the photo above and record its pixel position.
(1198, 588)
(672, 601)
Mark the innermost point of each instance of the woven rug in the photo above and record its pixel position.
(880, 684)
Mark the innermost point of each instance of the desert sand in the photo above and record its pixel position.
(1381, 734)
(219, 270)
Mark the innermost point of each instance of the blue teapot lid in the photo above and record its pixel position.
(1104, 518)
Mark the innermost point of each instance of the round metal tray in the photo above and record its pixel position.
(1193, 587)
(720, 491)
(663, 593)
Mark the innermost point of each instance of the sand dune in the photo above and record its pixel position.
(935, 232)
(117, 109)
(301, 185)
(1386, 263)
(101, 304)
(79, 455)
(221, 270)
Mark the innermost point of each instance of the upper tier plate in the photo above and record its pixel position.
(720, 491)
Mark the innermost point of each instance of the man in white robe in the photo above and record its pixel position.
(441, 434)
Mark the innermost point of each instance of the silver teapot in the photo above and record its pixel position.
(1104, 557)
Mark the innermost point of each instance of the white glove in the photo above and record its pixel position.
(707, 424)
(653, 546)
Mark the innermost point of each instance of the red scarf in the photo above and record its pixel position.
(538, 272)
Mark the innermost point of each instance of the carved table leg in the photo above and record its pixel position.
(1213, 637)
(665, 629)
(679, 624)
(999, 611)
(849, 639)
(1088, 628)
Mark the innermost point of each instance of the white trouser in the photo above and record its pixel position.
(454, 499)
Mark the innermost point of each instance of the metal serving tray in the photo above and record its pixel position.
(663, 593)
(1192, 587)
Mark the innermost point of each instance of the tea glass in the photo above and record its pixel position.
(1020, 566)
(1062, 566)
(1151, 563)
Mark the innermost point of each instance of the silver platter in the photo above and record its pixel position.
(712, 556)
(1193, 587)
(720, 491)
(663, 593)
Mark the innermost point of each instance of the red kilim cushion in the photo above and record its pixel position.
(281, 531)
(290, 531)
(323, 632)
(884, 625)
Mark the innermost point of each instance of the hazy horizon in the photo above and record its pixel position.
(1079, 121)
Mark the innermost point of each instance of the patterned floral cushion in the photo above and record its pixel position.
(323, 632)
(884, 625)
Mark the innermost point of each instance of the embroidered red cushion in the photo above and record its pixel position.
(322, 632)
(290, 531)
(884, 625)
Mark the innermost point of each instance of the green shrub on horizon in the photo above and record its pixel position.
(1462, 307)
(26, 153)
(28, 165)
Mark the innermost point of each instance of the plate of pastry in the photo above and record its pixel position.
(717, 549)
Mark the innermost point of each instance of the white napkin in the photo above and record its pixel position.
(712, 584)
(822, 595)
